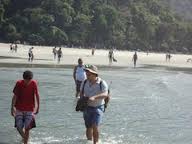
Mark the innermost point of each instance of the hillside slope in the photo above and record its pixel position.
(181, 7)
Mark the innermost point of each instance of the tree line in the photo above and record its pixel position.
(145, 25)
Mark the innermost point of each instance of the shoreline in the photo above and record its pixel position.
(101, 67)
(44, 58)
(32, 65)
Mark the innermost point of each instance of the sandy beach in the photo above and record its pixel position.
(43, 57)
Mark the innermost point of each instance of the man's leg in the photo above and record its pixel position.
(89, 133)
(29, 122)
(19, 123)
(32, 57)
(26, 137)
(78, 85)
(29, 58)
(95, 134)
(97, 120)
(77, 92)
(21, 132)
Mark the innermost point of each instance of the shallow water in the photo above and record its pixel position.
(148, 106)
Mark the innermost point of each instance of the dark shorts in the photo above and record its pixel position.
(24, 120)
(78, 85)
(93, 115)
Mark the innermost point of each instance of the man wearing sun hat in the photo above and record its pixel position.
(96, 90)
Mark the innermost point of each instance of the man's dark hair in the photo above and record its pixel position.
(80, 59)
(27, 75)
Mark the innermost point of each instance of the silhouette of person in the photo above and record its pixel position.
(135, 57)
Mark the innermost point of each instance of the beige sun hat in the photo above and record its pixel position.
(91, 68)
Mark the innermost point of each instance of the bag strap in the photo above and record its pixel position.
(100, 85)
(84, 85)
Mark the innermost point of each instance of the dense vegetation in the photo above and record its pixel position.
(123, 24)
(182, 8)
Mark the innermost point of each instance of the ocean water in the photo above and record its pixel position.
(148, 106)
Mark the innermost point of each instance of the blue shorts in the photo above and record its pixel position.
(24, 120)
(93, 115)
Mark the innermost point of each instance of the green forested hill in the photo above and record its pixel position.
(182, 8)
(123, 24)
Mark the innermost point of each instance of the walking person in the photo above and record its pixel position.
(79, 75)
(96, 90)
(16, 47)
(30, 54)
(54, 52)
(110, 56)
(169, 57)
(25, 105)
(11, 47)
(135, 57)
(93, 51)
(59, 55)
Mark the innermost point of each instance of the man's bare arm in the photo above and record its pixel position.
(13, 105)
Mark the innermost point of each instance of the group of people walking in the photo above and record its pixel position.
(112, 57)
(57, 54)
(13, 47)
(26, 101)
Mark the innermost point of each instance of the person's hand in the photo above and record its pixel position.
(36, 112)
(92, 98)
(13, 110)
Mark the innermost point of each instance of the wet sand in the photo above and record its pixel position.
(43, 57)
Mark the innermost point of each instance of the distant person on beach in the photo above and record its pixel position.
(30, 54)
(93, 51)
(96, 90)
(59, 55)
(79, 75)
(110, 56)
(11, 47)
(134, 59)
(16, 47)
(168, 57)
(25, 105)
(54, 52)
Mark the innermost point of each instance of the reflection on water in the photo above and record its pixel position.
(147, 106)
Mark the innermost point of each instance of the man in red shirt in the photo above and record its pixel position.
(25, 104)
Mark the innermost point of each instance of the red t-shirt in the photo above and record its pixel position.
(25, 95)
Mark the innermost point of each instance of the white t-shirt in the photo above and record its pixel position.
(80, 73)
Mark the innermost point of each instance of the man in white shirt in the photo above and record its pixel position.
(79, 75)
